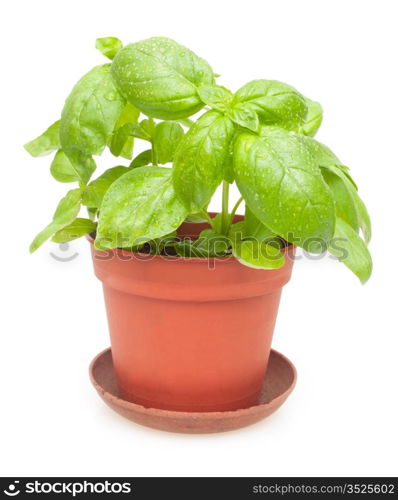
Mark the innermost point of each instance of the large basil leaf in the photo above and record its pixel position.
(47, 142)
(349, 205)
(95, 191)
(79, 227)
(344, 202)
(283, 186)
(139, 206)
(66, 211)
(314, 118)
(89, 116)
(109, 46)
(276, 103)
(351, 250)
(201, 159)
(161, 77)
(166, 137)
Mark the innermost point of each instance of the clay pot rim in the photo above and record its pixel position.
(183, 414)
(177, 258)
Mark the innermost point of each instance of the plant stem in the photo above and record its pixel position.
(154, 155)
(236, 206)
(225, 219)
(207, 217)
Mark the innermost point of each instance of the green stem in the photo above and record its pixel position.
(236, 206)
(154, 155)
(207, 217)
(225, 219)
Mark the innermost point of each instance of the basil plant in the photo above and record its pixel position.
(295, 189)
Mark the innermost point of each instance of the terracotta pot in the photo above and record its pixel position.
(189, 334)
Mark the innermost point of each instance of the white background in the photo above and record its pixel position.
(343, 338)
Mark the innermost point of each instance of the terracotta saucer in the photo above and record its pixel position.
(279, 382)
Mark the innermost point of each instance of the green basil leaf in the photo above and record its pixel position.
(209, 244)
(245, 116)
(254, 228)
(201, 158)
(216, 97)
(62, 168)
(161, 77)
(195, 219)
(258, 255)
(314, 118)
(283, 186)
(349, 205)
(47, 142)
(65, 212)
(236, 232)
(343, 200)
(166, 137)
(90, 114)
(321, 154)
(276, 103)
(79, 227)
(109, 46)
(142, 159)
(95, 191)
(351, 250)
(122, 141)
(119, 139)
(139, 206)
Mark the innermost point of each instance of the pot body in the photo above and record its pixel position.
(189, 334)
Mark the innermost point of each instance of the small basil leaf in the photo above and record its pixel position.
(244, 116)
(47, 142)
(120, 138)
(209, 244)
(283, 186)
(216, 97)
(166, 137)
(79, 227)
(65, 212)
(195, 219)
(109, 46)
(62, 168)
(258, 255)
(351, 250)
(122, 141)
(142, 159)
(95, 191)
(139, 206)
(276, 103)
(201, 158)
(254, 228)
(314, 118)
(90, 114)
(161, 77)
